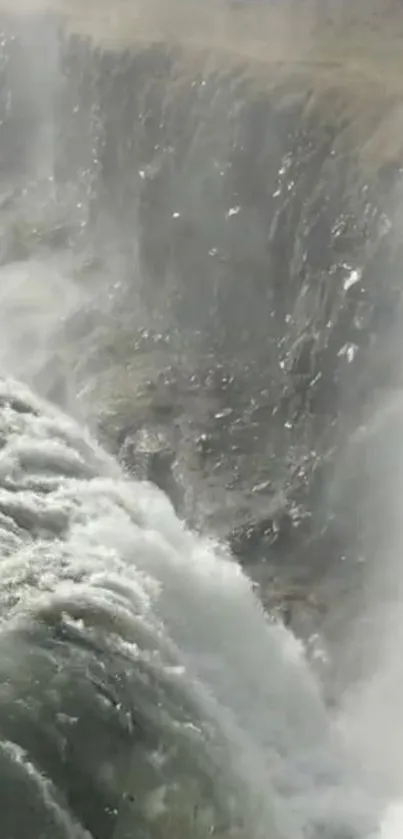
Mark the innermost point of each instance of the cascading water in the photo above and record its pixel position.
(191, 250)
(129, 701)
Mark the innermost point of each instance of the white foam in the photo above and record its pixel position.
(99, 545)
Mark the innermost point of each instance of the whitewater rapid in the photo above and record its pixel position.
(142, 686)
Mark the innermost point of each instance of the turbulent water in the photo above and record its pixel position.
(130, 703)
(200, 266)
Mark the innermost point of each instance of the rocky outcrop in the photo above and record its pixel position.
(240, 222)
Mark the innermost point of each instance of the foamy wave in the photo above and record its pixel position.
(142, 684)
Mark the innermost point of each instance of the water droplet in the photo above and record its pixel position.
(221, 414)
(353, 278)
(349, 350)
(264, 485)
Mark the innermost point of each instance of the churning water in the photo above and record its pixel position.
(172, 194)
(144, 692)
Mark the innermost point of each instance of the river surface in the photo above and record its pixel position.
(201, 406)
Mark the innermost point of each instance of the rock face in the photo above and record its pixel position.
(236, 229)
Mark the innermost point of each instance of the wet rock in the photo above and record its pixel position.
(148, 455)
(247, 269)
(260, 536)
